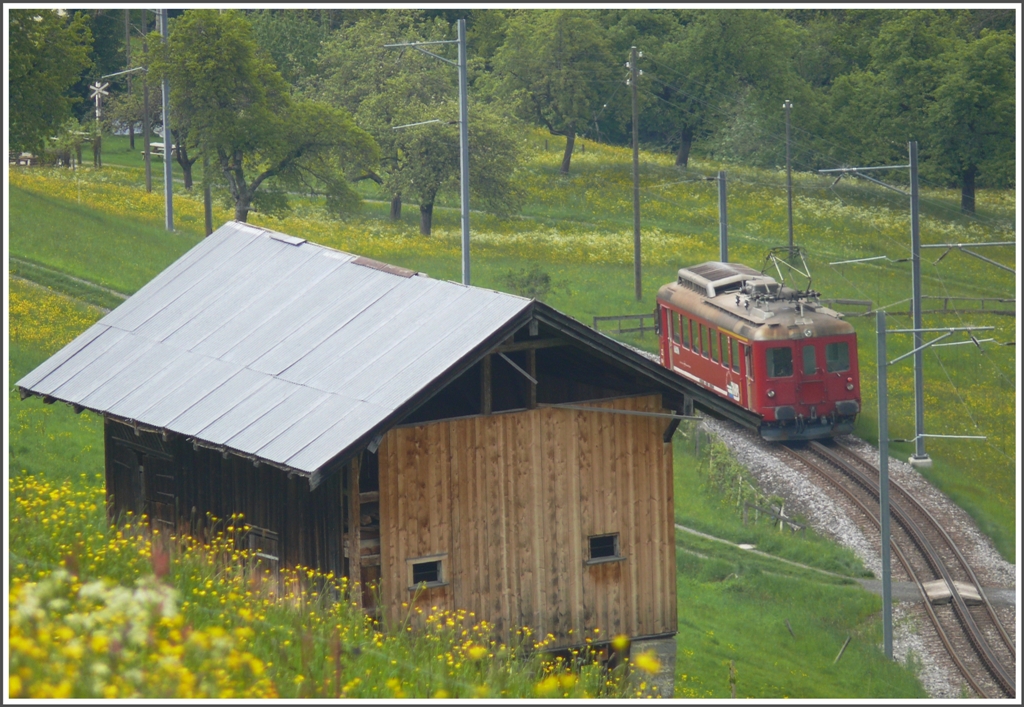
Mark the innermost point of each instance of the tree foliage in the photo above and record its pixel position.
(47, 53)
(232, 99)
(556, 68)
(931, 79)
(387, 88)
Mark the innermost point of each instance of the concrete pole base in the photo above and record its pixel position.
(665, 649)
(920, 462)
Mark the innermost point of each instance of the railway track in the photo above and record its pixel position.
(973, 635)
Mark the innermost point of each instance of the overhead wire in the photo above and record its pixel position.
(932, 203)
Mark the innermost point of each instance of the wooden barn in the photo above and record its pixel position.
(451, 445)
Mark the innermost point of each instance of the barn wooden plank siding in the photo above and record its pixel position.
(408, 433)
(511, 500)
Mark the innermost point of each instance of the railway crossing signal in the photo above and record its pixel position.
(98, 92)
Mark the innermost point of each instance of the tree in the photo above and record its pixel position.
(47, 53)
(236, 106)
(292, 37)
(429, 160)
(724, 74)
(556, 68)
(932, 79)
(971, 118)
(376, 84)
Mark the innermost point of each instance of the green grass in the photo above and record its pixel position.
(114, 252)
(118, 242)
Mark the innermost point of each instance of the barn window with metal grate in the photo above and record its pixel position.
(427, 571)
(604, 548)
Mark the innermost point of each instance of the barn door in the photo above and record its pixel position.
(160, 488)
(128, 490)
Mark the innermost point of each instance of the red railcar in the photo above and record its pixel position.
(766, 347)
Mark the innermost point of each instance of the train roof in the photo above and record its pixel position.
(742, 300)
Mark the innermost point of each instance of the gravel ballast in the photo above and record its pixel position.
(831, 515)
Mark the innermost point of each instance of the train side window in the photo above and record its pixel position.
(780, 362)
(674, 323)
(686, 330)
(810, 361)
(705, 340)
(837, 357)
(732, 355)
(714, 344)
(724, 341)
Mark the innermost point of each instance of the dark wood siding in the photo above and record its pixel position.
(196, 490)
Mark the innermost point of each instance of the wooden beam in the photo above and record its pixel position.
(527, 345)
(485, 386)
(531, 368)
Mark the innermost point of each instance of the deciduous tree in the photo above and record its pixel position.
(47, 53)
(557, 68)
(240, 112)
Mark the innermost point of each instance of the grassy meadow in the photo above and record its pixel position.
(81, 237)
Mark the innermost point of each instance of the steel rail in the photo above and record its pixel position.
(981, 646)
(949, 542)
(814, 466)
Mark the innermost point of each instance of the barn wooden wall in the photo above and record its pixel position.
(512, 499)
(183, 484)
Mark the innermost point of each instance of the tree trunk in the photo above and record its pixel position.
(426, 218)
(967, 190)
(131, 137)
(396, 208)
(181, 154)
(685, 141)
(242, 206)
(570, 140)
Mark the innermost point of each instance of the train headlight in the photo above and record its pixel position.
(849, 383)
(771, 393)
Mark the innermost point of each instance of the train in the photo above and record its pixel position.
(762, 345)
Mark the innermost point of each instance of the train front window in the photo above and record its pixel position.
(837, 357)
(810, 362)
(780, 362)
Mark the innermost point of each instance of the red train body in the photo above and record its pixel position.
(768, 348)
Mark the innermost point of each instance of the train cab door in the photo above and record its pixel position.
(810, 389)
(748, 375)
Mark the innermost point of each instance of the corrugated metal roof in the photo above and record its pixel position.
(272, 347)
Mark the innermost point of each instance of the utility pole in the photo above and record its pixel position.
(464, 149)
(166, 117)
(463, 129)
(127, 65)
(920, 457)
(883, 481)
(723, 221)
(883, 446)
(789, 180)
(145, 109)
(633, 74)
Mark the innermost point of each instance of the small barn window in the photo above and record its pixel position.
(604, 548)
(427, 571)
